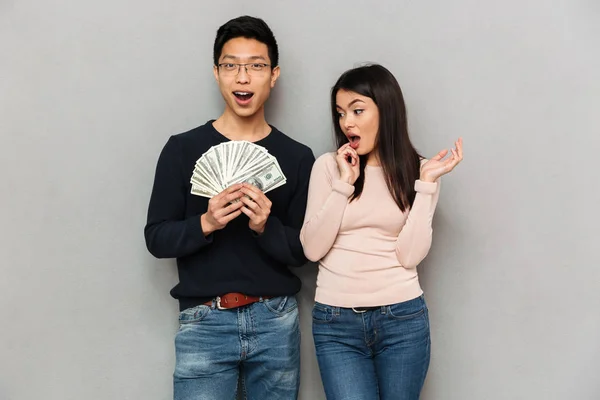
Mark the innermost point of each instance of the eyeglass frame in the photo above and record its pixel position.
(245, 65)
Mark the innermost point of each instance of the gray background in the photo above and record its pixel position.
(91, 90)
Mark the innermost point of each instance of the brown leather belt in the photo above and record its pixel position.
(234, 300)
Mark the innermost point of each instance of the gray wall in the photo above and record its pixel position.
(90, 91)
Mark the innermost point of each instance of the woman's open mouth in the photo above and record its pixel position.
(354, 140)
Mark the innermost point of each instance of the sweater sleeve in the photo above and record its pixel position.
(414, 241)
(327, 200)
(281, 239)
(168, 233)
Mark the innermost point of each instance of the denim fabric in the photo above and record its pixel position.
(259, 342)
(379, 354)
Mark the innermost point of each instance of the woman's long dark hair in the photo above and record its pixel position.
(399, 159)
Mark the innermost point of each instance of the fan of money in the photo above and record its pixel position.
(235, 162)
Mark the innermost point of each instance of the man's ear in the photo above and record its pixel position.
(216, 72)
(274, 75)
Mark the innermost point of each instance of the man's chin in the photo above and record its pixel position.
(245, 113)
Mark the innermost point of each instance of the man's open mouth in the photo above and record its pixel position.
(243, 96)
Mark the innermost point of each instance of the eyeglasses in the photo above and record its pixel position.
(251, 68)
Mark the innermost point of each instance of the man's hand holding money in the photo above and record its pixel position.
(222, 208)
(256, 206)
(254, 172)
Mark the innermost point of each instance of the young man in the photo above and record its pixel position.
(238, 314)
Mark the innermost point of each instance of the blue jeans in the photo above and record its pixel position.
(381, 353)
(259, 343)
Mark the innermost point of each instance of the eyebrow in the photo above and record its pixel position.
(352, 102)
(252, 58)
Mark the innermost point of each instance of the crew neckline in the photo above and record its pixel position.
(226, 139)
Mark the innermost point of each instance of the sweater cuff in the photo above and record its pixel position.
(425, 187)
(271, 235)
(195, 228)
(343, 188)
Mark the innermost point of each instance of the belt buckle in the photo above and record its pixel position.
(359, 311)
(219, 306)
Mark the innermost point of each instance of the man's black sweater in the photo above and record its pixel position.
(233, 259)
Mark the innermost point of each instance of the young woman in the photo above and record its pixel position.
(368, 224)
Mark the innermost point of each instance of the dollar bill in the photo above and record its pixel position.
(205, 166)
(199, 191)
(201, 178)
(204, 185)
(266, 179)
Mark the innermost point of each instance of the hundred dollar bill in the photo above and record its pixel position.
(249, 157)
(240, 150)
(198, 191)
(200, 178)
(219, 162)
(204, 174)
(206, 166)
(242, 175)
(266, 179)
(203, 186)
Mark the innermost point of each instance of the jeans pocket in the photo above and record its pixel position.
(407, 309)
(193, 315)
(281, 305)
(321, 314)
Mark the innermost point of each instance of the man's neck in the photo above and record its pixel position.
(234, 127)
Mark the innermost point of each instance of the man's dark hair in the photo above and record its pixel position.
(249, 28)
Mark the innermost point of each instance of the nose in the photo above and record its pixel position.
(242, 75)
(347, 121)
